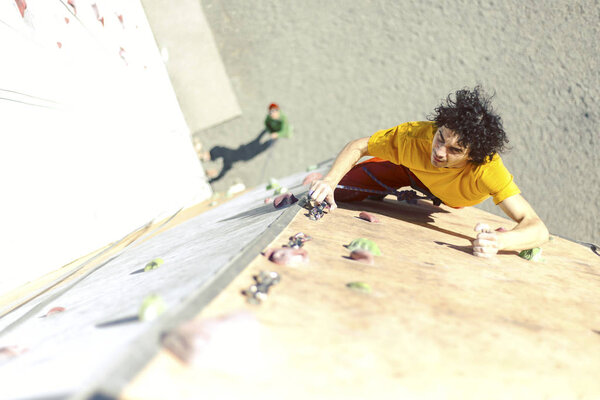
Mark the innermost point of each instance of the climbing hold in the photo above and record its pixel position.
(481, 227)
(298, 240)
(273, 184)
(8, 352)
(364, 256)
(368, 217)
(284, 200)
(287, 256)
(226, 342)
(313, 176)
(364, 244)
(311, 167)
(157, 262)
(55, 310)
(235, 189)
(534, 254)
(316, 211)
(280, 190)
(268, 200)
(359, 286)
(72, 4)
(152, 306)
(22, 6)
(258, 291)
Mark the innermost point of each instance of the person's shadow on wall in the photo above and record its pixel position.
(244, 152)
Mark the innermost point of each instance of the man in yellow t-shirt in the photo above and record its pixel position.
(454, 157)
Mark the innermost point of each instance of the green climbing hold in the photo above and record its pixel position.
(152, 306)
(534, 254)
(364, 244)
(280, 190)
(273, 184)
(311, 167)
(360, 286)
(157, 262)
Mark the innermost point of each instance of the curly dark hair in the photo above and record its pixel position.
(471, 116)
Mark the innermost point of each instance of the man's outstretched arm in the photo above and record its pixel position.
(529, 232)
(322, 190)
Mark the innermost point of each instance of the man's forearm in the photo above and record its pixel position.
(528, 234)
(346, 159)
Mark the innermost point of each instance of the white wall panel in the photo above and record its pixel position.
(93, 143)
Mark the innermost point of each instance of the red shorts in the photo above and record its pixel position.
(390, 174)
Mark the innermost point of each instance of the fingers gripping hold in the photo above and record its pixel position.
(320, 191)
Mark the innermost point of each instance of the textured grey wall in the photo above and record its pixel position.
(342, 70)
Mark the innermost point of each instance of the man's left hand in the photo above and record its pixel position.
(486, 243)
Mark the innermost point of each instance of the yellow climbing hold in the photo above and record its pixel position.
(157, 262)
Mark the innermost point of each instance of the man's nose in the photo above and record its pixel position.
(441, 152)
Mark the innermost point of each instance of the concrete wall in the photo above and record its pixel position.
(343, 70)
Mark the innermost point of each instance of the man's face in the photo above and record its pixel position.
(274, 113)
(445, 150)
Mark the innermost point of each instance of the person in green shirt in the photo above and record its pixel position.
(277, 124)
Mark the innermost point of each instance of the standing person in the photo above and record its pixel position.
(276, 123)
(453, 156)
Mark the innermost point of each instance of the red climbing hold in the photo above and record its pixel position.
(368, 217)
(364, 256)
(284, 200)
(72, 4)
(55, 310)
(22, 4)
(97, 12)
(8, 352)
(225, 342)
(313, 176)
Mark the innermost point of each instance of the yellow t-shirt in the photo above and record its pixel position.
(410, 145)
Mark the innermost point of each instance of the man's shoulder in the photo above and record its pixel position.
(491, 170)
(424, 130)
(495, 162)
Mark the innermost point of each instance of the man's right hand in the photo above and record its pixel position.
(322, 190)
